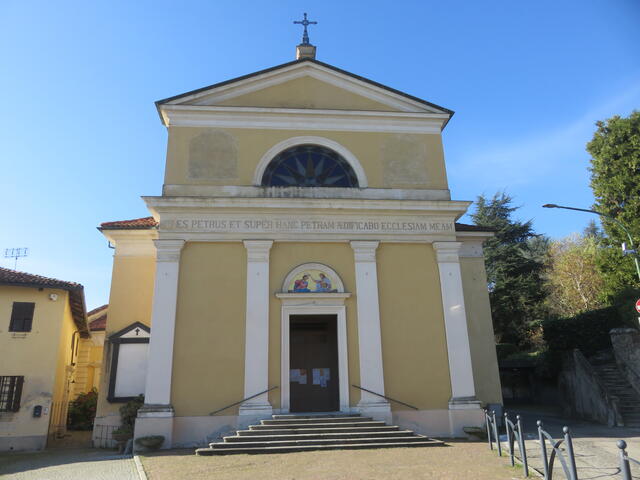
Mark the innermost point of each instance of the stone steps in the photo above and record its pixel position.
(618, 386)
(300, 433)
(320, 436)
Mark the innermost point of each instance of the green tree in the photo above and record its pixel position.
(572, 278)
(514, 259)
(615, 181)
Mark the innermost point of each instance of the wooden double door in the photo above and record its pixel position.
(313, 363)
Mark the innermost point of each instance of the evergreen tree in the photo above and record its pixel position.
(615, 181)
(514, 260)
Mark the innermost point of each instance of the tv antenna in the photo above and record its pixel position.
(15, 253)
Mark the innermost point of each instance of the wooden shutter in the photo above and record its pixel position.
(22, 317)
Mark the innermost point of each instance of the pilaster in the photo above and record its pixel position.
(369, 336)
(463, 395)
(256, 354)
(156, 416)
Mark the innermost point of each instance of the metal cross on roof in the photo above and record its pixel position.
(305, 23)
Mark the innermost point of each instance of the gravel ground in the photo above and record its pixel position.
(67, 464)
(457, 461)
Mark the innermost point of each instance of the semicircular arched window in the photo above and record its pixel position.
(309, 166)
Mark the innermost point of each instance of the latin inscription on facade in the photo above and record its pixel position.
(307, 225)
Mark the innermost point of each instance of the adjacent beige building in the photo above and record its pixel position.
(304, 256)
(42, 322)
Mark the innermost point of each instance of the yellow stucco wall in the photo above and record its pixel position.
(38, 355)
(87, 372)
(389, 160)
(414, 346)
(304, 92)
(285, 257)
(208, 367)
(66, 356)
(482, 342)
(130, 301)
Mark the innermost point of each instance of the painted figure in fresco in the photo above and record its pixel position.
(323, 284)
(302, 285)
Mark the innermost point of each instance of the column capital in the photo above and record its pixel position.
(258, 250)
(447, 251)
(168, 250)
(364, 251)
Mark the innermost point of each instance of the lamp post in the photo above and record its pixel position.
(632, 252)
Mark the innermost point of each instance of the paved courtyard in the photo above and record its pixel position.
(67, 464)
(459, 460)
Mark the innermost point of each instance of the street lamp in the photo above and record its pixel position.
(632, 252)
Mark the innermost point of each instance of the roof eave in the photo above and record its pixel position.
(160, 103)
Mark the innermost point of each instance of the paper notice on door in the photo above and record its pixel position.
(321, 376)
(298, 375)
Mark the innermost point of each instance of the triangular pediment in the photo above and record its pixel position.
(305, 84)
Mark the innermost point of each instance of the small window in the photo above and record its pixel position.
(10, 393)
(21, 317)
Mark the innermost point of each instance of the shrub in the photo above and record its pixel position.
(588, 331)
(82, 411)
(129, 412)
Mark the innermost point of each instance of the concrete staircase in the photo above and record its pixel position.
(617, 385)
(302, 433)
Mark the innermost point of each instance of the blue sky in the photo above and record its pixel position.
(80, 140)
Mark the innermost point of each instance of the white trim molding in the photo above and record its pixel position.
(369, 335)
(312, 140)
(256, 351)
(463, 394)
(314, 304)
(337, 283)
(292, 119)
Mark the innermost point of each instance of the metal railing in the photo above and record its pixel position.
(514, 433)
(243, 400)
(385, 397)
(570, 468)
(492, 427)
(567, 458)
(625, 466)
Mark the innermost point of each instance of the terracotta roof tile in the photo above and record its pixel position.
(96, 310)
(14, 277)
(76, 292)
(99, 323)
(135, 224)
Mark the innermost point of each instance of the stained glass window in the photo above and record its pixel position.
(309, 166)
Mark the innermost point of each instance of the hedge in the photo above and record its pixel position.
(588, 331)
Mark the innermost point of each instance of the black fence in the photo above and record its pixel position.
(514, 434)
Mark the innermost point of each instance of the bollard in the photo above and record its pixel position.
(625, 468)
(523, 449)
(543, 449)
(572, 460)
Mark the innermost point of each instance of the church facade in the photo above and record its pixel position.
(304, 256)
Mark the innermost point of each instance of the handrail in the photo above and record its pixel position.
(243, 400)
(385, 397)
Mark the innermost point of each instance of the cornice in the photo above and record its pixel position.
(240, 191)
(157, 205)
(312, 119)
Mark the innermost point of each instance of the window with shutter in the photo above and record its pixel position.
(21, 316)
(10, 393)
